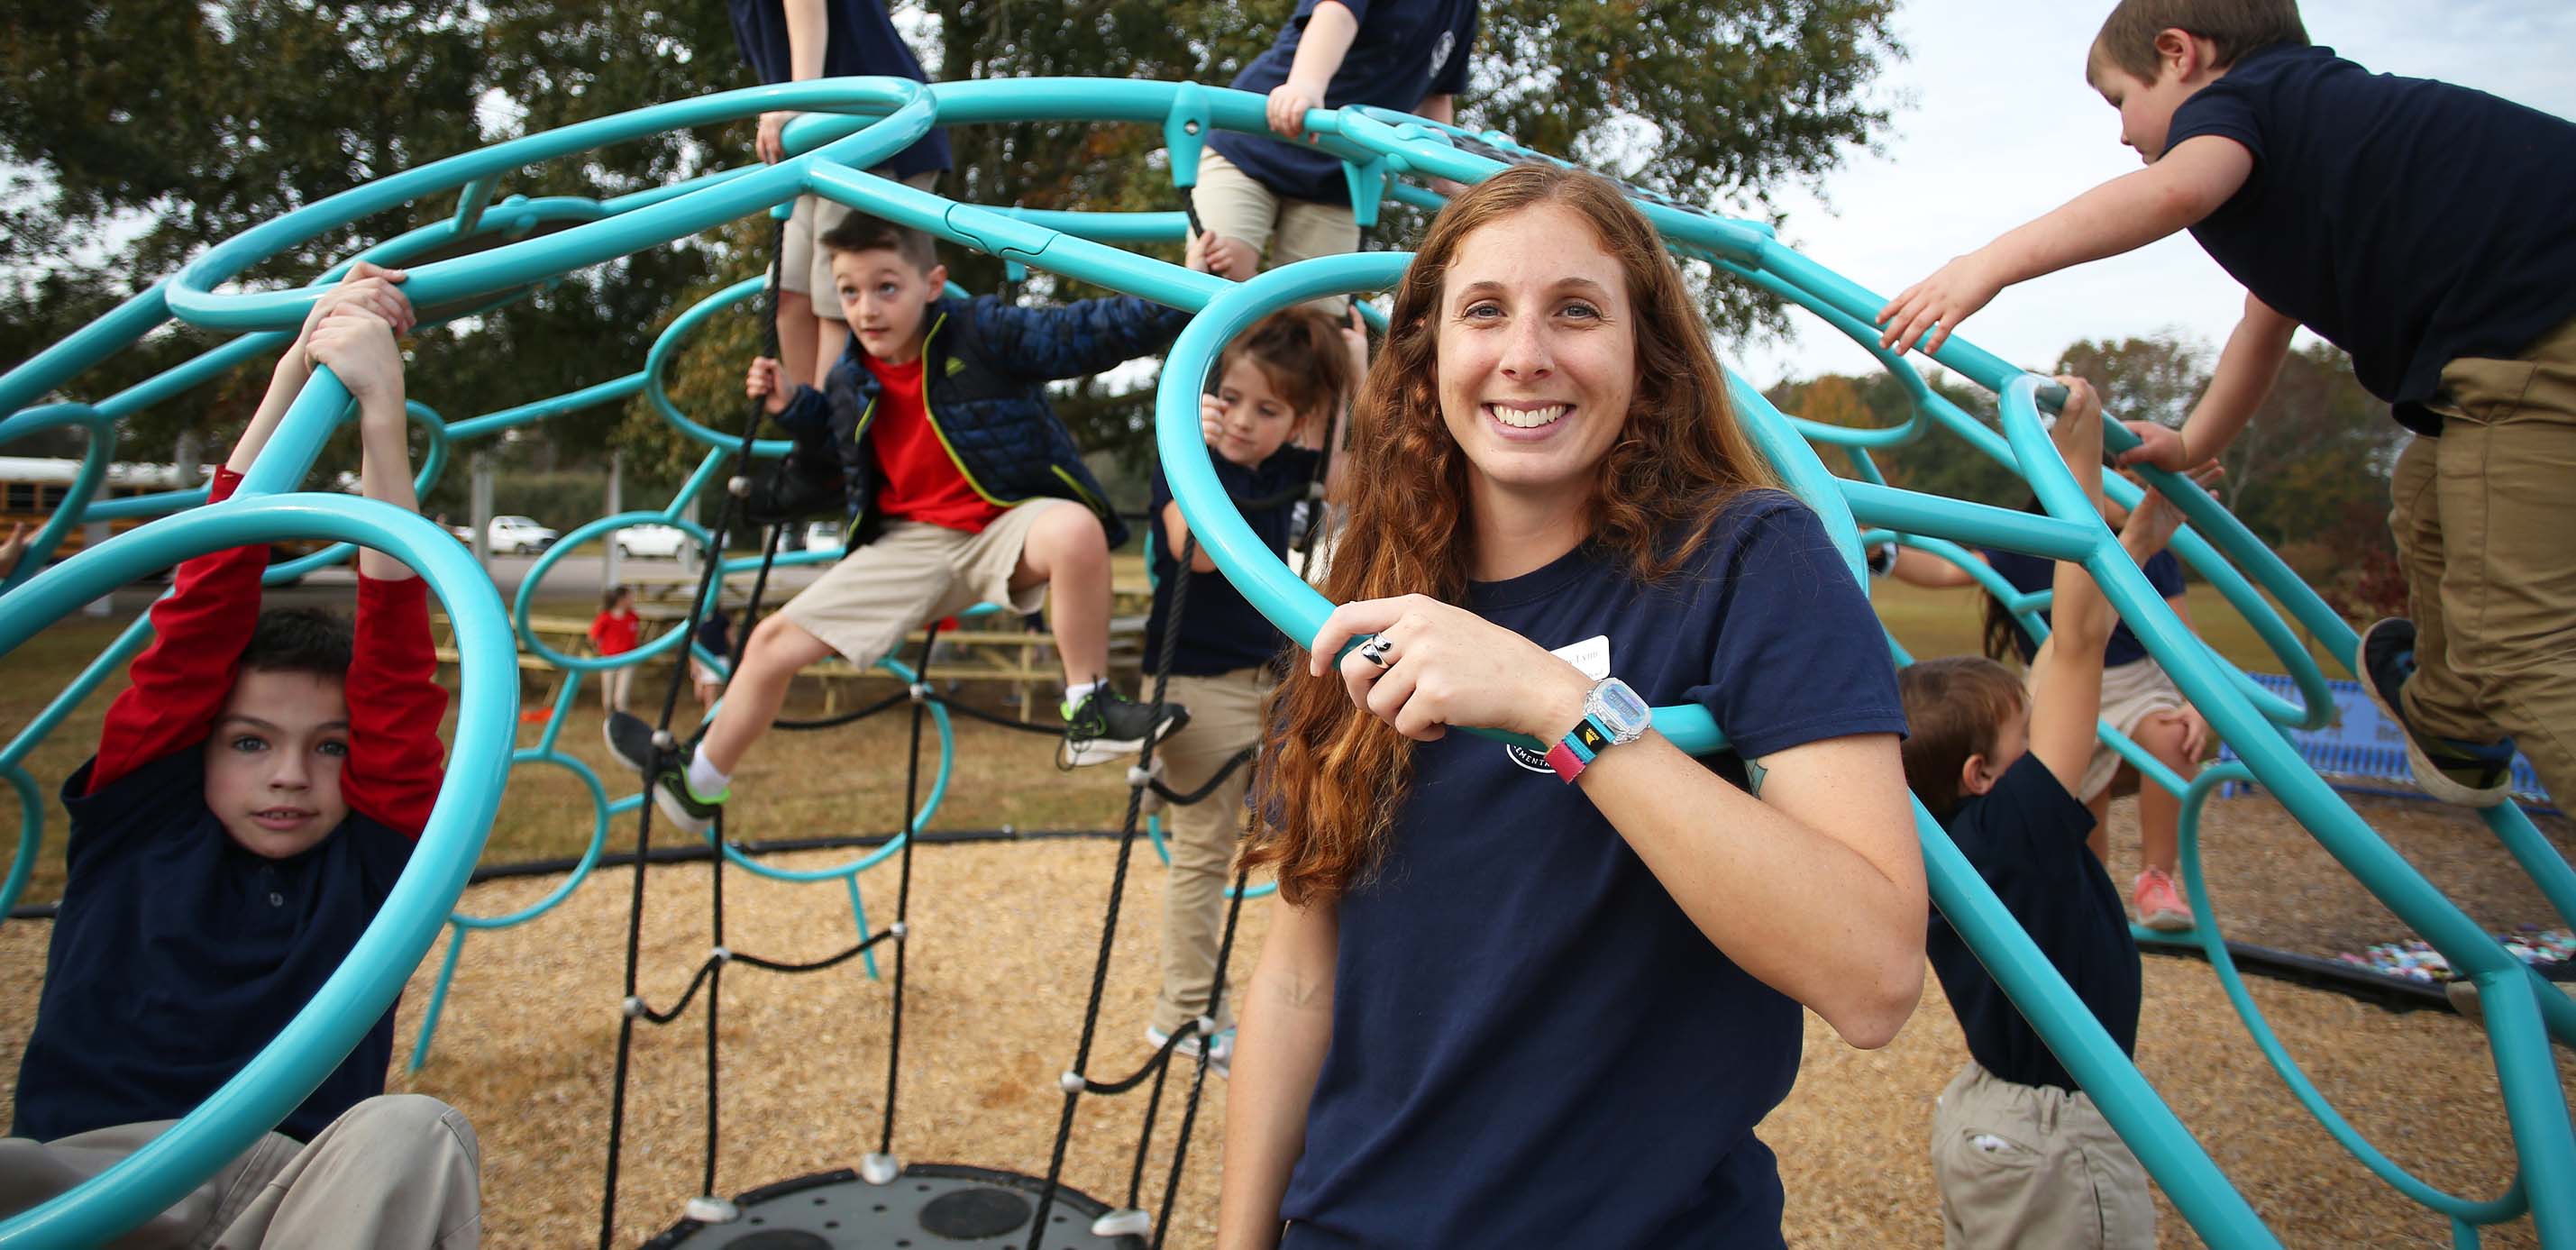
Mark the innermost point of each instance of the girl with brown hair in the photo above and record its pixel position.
(1495, 1008)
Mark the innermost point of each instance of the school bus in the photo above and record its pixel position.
(33, 489)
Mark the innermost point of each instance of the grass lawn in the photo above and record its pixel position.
(836, 781)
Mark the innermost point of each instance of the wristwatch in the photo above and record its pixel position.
(1613, 715)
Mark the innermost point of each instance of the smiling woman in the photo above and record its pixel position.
(1478, 971)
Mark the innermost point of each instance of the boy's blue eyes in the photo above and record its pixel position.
(249, 744)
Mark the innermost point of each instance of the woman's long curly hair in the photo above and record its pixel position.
(1332, 779)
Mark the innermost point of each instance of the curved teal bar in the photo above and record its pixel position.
(358, 993)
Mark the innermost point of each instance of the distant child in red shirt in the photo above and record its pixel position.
(255, 795)
(613, 632)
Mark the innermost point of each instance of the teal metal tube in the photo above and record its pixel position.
(920, 818)
(31, 835)
(101, 446)
(1908, 512)
(2211, 939)
(437, 999)
(191, 293)
(657, 365)
(320, 1035)
(84, 348)
(2543, 1139)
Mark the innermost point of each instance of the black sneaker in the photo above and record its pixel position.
(1107, 725)
(631, 741)
(2470, 774)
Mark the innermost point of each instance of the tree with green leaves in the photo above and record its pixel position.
(180, 126)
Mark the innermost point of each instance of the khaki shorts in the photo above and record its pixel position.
(2131, 692)
(2033, 1165)
(916, 573)
(805, 266)
(1284, 231)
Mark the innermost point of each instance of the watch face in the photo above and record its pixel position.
(1626, 714)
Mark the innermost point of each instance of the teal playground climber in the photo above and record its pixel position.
(496, 252)
(2022, 1155)
(2343, 201)
(961, 487)
(1585, 968)
(254, 796)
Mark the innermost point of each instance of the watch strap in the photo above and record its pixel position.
(1576, 751)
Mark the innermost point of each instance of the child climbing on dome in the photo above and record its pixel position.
(1544, 997)
(1261, 197)
(959, 486)
(2022, 1156)
(1283, 394)
(255, 795)
(2139, 699)
(2337, 197)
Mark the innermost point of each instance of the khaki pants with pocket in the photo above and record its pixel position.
(2485, 522)
(397, 1172)
(2024, 1166)
(916, 573)
(1231, 203)
(1225, 717)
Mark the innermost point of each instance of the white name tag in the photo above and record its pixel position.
(1592, 655)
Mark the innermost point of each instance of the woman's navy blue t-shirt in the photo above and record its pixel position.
(1220, 630)
(2026, 838)
(2409, 222)
(1405, 50)
(1532, 1044)
(2030, 573)
(862, 42)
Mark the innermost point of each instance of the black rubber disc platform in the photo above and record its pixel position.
(932, 1206)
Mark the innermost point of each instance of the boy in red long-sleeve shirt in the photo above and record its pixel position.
(255, 796)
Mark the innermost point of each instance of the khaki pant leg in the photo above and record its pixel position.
(1308, 230)
(2016, 1169)
(1232, 204)
(864, 605)
(2120, 1187)
(2506, 480)
(1225, 717)
(398, 1172)
(33, 1173)
(2437, 699)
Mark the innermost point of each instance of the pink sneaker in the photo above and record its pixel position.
(2160, 905)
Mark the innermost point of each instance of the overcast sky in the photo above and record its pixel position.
(2000, 128)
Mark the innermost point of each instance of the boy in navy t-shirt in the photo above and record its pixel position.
(1262, 197)
(2336, 196)
(1290, 376)
(255, 796)
(2022, 1156)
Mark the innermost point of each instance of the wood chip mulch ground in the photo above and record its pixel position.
(1005, 935)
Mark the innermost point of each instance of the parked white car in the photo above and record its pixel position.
(652, 542)
(518, 535)
(823, 536)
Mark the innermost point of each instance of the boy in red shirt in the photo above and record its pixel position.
(254, 798)
(614, 632)
(961, 488)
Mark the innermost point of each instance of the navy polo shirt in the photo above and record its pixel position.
(1220, 630)
(2030, 573)
(2409, 222)
(863, 42)
(1405, 50)
(2026, 838)
(1532, 1044)
(177, 955)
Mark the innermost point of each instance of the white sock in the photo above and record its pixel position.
(1079, 691)
(703, 777)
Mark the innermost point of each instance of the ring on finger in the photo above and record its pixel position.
(1376, 650)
